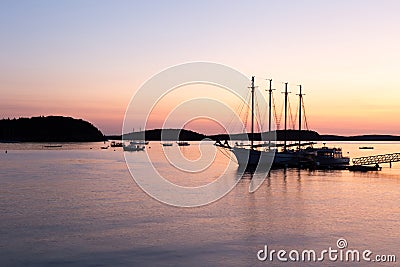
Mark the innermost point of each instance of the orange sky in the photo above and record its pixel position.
(86, 59)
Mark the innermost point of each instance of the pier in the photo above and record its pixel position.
(377, 159)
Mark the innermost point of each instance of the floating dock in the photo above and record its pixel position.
(377, 159)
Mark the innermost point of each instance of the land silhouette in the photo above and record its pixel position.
(67, 129)
(49, 129)
(279, 135)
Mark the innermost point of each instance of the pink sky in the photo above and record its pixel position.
(86, 60)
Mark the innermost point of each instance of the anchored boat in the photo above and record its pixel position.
(183, 143)
(252, 156)
(116, 144)
(52, 146)
(133, 147)
(139, 142)
(327, 157)
(167, 144)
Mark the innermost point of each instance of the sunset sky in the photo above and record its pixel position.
(86, 59)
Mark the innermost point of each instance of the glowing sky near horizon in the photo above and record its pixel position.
(86, 59)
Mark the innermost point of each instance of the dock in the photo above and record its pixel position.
(359, 168)
(377, 159)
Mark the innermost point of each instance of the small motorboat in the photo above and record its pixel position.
(104, 147)
(139, 142)
(167, 144)
(116, 144)
(363, 168)
(52, 146)
(366, 147)
(330, 157)
(183, 143)
(131, 147)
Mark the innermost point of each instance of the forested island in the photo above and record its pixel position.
(162, 134)
(49, 129)
(67, 129)
(280, 135)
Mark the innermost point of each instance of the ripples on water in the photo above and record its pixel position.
(80, 207)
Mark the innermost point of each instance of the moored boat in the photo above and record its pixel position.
(252, 158)
(139, 142)
(131, 147)
(183, 143)
(363, 168)
(327, 156)
(167, 144)
(52, 146)
(116, 144)
(310, 157)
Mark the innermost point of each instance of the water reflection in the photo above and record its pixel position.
(83, 205)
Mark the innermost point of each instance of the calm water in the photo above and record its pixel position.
(77, 206)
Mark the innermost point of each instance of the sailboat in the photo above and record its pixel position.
(141, 141)
(249, 157)
(284, 158)
(324, 157)
(330, 157)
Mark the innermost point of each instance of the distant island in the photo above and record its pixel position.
(67, 129)
(48, 129)
(167, 135)
(291, 135)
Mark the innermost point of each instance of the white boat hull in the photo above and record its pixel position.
(133, 148)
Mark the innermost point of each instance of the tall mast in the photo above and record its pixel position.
(286, 100)
(252, 113)
(300, 108)
(269, 113)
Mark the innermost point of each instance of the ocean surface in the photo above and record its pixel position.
(78, 205)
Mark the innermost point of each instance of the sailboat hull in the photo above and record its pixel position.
(283, 159)
(250, 158)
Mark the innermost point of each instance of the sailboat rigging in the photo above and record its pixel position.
(251, 156)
